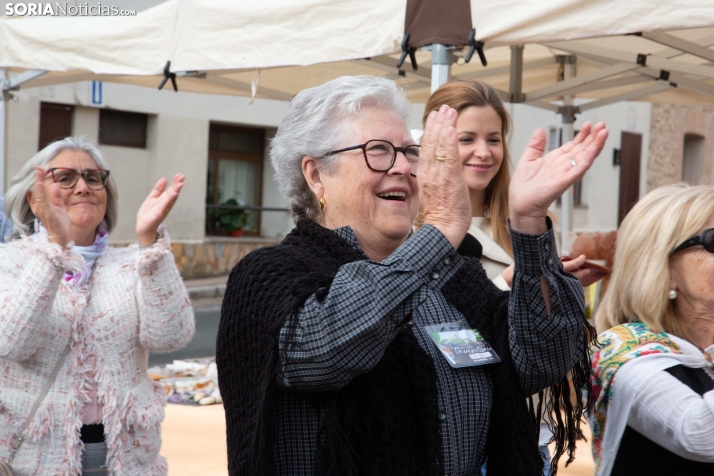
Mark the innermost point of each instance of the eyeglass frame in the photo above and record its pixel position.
(693, 241)
(80, 174)
(403, 150)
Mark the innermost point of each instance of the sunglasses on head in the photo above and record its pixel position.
(706, 239)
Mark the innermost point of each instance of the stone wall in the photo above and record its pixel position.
(668, 126)
(215, 256)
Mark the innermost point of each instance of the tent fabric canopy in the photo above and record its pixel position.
(219, 46)
(200, 35)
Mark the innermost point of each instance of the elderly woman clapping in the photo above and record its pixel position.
(655, 415)
(90, 312)
(352, 348)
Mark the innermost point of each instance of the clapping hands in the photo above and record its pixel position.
(156, 208)
(538, 180)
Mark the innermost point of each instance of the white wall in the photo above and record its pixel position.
(600, 195)
(177, 141)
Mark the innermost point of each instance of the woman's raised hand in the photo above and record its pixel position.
(443, 194)
(156, 208)
(538, 180)
(50, 210)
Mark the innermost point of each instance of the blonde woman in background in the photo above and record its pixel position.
(655, 414)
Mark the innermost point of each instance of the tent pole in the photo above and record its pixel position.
(515, 87)
(441, 60)
(568, 117)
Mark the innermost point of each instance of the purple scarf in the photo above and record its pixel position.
(89, 253)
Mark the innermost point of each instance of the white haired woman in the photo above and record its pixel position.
(325, 354)
(81, 317)
(655, 414)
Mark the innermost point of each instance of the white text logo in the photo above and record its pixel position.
(62, 9)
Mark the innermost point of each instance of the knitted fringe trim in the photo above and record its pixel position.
(72, 463)
(159, 468)
(41, 423)
(148, 414)
(152, 254)
(59, 257)
(586, 387)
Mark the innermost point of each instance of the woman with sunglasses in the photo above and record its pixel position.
(655, 414)
(70, 304)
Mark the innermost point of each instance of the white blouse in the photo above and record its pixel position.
(667, 411)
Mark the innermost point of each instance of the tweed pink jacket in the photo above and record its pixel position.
(134, 302)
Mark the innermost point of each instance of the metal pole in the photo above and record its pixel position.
(515, 87)
(568, 133)
(441, 60)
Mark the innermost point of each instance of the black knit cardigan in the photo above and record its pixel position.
(384, 422)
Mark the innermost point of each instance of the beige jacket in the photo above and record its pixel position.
(494, 259)
(134, 302)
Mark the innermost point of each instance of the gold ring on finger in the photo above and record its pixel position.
(38, 199)
(440, 159)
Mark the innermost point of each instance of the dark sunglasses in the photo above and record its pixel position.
(706, 239)
(96, 179)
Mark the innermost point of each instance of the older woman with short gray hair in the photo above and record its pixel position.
(355, 347)
(79, 318)
(18, 207)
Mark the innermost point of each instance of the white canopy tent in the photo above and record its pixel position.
(644, 50)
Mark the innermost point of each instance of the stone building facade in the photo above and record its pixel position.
(681, 138)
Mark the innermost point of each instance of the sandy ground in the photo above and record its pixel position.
(194, 440)
(195, 443)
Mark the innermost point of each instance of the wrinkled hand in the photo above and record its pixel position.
(537, 180)
(156, 208)
(50, 210)
(443, 193)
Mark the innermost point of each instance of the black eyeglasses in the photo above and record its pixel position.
(380, 155)
(96, 179)
(706, 239)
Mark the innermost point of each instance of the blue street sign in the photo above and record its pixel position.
(97, 96)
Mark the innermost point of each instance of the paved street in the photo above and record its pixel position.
(203, 344)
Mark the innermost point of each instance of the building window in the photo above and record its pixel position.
(122, 128)
(235, 171)
(55, 123)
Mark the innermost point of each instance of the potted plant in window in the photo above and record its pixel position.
(232, 220)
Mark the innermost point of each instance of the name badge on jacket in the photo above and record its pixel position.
(461, 346)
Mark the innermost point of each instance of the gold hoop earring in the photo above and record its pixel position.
(322, 203)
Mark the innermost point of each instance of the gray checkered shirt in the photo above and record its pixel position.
(346, 333)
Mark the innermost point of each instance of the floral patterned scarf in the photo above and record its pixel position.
(618, 346)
